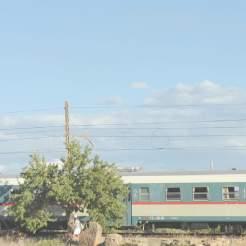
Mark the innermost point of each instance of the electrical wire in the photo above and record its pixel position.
(105, 106)
(37, 110)
(129, 136)
(100, 126)
(228, 148)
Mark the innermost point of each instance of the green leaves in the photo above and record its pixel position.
(83, 181)
(108, 192)
(32, 198)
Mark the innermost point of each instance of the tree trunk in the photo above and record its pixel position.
(70, 221)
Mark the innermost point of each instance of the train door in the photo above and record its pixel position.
(129, 207)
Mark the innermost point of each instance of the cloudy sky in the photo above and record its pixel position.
(157, 84)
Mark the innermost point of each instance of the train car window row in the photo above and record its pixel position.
(199, 193)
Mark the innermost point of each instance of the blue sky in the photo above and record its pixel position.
(90, 52)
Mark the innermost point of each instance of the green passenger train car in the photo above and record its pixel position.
(187, 198)
(180, 199)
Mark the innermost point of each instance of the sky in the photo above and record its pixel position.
(110, 58)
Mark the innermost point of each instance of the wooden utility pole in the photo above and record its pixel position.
(67, 130)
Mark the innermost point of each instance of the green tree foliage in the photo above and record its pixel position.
(71, 186)
(108, 192)
(33, 196)
(84, 181)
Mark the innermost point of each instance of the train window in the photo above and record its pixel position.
(200, 193)
(231, 193)
(173, 193)
(144, 194)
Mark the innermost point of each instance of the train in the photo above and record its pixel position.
(187, 199)
(181, 199)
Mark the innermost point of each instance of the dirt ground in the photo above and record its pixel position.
(138, 241)
(29, 242)
(187, 241)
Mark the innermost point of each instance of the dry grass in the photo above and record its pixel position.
(138, 241)
(186, 241)
(31, 242)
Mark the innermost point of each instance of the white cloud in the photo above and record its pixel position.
(4, 136)
(205, 92)
(114, 100)
(139, 85)
(32, 119)
(77, 119)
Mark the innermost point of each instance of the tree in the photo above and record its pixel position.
(33, 196)
(84, 181)
(108, 193)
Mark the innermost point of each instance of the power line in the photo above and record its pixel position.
(31, 110)
(29, 131)
(30, 128)
(130, 136)
(105, 106)
(161, 122)
(174, 148)
(168, 136)
(14, 133)
(29, 138)
(30, 152)
(223, 148)
(164, 128)
(100, 125)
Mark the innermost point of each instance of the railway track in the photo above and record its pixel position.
(61, 233)
(173, 235)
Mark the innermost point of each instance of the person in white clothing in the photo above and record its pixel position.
(77, 227)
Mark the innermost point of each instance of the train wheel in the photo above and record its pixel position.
(185, 226)
(237, 229)
(229, 228)
(153, 227)
(213, 228)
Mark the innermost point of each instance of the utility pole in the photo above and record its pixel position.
(67, 130)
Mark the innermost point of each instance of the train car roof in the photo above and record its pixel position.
(179, 177)
(175, 173)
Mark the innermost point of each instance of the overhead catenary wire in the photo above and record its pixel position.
(223, 148)
(122, 106)
(155, 125)
(110, 106)
(107, 125)
(29, 138)
(36, 110)
(129, 136)
(47, 129)
(156, 105)
(31, 152)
